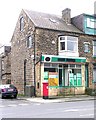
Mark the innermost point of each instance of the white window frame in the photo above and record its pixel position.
(94, 52)
(65, 39)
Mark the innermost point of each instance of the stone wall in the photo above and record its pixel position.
(6, 69)
(89, 55)
(20, 52)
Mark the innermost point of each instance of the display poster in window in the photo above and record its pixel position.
(46, 76)
(53, 79)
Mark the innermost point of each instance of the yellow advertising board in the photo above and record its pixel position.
(53, 79)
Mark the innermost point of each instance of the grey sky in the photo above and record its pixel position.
(10, 10)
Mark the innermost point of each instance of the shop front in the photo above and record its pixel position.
(63, 75)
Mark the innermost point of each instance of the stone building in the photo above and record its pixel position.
(50, 49)
(5, 64)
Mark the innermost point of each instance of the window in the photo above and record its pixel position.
(74, 75)
(86, 47)
(2, 62)
(29, 42)
(62, 43)
(94, 74)
(68, 43)
(90, 23)
(21, 24)
(94, 48)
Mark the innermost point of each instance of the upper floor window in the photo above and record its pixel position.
(21, 24)
(68, 43)
(91, 23)
(2, 65)
(86, 47)
(94, 73)
(29, 42)
(94, 48)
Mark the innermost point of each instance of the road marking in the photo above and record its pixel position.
(49, 109)
(1, 106)
(23, 104)
(86, 109)
(87, 115)
(71, 110)
(37, 104)
(12, 105)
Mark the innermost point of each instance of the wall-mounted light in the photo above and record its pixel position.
(53, 42)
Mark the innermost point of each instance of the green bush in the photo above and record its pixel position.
(90, 91)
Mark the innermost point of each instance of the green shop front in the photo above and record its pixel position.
(64, 75)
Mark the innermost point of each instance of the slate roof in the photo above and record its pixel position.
(50, 21)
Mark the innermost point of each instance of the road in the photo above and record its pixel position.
(14, 108)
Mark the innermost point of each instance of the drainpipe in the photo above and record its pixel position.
(34, 67)
(25, 61)
(1, 70)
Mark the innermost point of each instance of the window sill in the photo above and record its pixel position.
(68, 51)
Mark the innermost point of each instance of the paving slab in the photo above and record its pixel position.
(61, 99)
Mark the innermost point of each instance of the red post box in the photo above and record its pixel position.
(45, 90)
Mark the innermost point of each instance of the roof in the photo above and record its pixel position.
(89, 15)
(50, 21)
(84, 14)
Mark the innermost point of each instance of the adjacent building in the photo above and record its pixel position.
(85, 23)
(53, 49)
(5, 64)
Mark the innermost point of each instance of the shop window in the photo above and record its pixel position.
(73, 76)
(72, 66)
(49, 65)
(50, 69)
(68, 43)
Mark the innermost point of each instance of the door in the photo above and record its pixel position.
(86, 76)
(60, 77)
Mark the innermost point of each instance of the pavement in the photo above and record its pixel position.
(59, 99)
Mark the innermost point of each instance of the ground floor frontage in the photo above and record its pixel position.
(55, 75)
(61, 75)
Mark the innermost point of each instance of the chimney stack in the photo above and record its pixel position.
(66, 15)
